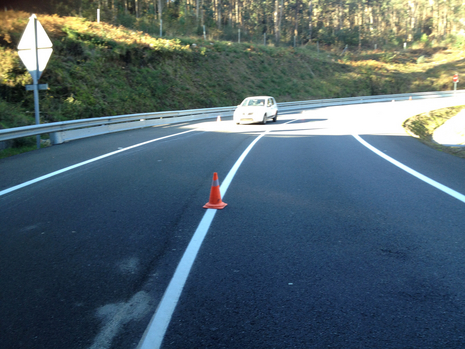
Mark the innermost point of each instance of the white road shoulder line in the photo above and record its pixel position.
(407, 169)
(38, 179)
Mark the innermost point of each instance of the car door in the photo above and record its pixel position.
(271, 107)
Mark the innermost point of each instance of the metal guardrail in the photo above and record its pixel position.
(74, 129)
(60, 131)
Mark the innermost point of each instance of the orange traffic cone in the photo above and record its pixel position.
(215, 195)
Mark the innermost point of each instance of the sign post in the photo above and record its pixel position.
(456, 80)
(35, 49)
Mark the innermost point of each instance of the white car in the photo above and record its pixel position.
(256, 109)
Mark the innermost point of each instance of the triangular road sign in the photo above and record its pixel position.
(27, 41)
(29, 59)
(35, 57)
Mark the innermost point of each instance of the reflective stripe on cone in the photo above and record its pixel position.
(215, 195)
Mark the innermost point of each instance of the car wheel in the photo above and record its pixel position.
(275, 117)
(264, 119)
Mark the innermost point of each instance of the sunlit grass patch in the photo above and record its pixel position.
(422, 126)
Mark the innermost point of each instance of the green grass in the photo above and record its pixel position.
(422, 126)
(23, 145)
(16, 150)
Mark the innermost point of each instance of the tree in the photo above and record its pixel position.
(329, 21)
(278, 15)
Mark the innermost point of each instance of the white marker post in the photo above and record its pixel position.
(35, 49)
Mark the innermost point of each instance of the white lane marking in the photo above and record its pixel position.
(156, 329)
(158, 325)
(407, 169)
(38, 179)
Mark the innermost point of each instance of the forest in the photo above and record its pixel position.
(355, 24)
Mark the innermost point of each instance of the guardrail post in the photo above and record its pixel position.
(56, 138)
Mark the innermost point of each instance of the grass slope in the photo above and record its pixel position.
(422, 126)
(100, 70)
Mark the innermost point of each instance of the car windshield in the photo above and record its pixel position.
(253, 102)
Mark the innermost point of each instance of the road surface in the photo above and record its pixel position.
(340, 231)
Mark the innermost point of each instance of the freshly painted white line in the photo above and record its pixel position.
(156, 329)
(38, 179)
(428, 180)
(153, 336)
(227, 181)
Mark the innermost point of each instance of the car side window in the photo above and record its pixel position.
(270, 102)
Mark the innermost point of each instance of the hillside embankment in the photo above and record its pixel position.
(423, 127)
(100, 70)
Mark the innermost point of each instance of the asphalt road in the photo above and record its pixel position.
(323, 242)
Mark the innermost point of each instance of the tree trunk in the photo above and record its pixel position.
(296, 19)
(340, 10)
(218, 13)
(278, 15)
(361, 24)
(237, 12)
(230, 14)
(412, 24)
(310, 15)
